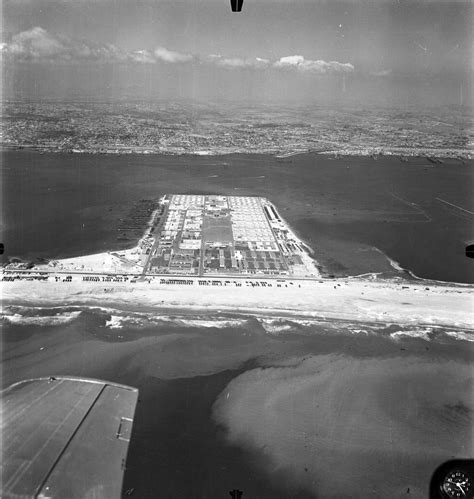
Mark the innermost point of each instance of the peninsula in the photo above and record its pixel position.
(232, 253)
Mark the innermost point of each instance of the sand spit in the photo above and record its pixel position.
(350, 299)
(123, 261)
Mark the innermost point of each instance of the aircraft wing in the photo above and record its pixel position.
(65, 437)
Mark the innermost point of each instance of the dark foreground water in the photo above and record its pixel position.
(58, 205)
(274, 407)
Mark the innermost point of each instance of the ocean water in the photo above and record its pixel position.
(202, 378)
(231, 401)
(352, 211)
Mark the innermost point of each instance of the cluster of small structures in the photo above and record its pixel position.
(197, 235)
(172, 128)
(214, 234)
(264, 282)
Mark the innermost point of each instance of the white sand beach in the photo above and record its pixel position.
(126, 261)
(393, 301)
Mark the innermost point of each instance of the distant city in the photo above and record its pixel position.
(184, 128)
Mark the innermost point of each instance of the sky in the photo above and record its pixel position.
(394, 53)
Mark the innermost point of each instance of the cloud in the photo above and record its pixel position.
(299, 63)
(169, 56)
(236, 62)
(142, 56)
(37, 44)
(291, 60)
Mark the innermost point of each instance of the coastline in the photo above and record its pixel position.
(120, 277)
(335, 226)
(135, 260)
(358, 300)
(199, 377)
(375, 153)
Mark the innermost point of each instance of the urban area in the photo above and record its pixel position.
(177, 128)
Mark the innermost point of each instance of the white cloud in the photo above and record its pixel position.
(243, 63)
(38, 45)
(35, 43)
(299, 63)
(169, 56)
(142, 56)
(290, 60)
(236, 62)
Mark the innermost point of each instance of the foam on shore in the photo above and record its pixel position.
(356, 300)
(276, 325)
(58, 319)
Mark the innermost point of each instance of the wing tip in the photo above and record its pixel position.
(53, 378)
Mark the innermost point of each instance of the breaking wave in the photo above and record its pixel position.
(432, 333)
(461, 335)
(116, 319)
(425, 333)
(282, 325)
(115, 322)
(55, 319)
(276, 326)
(149, 320)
